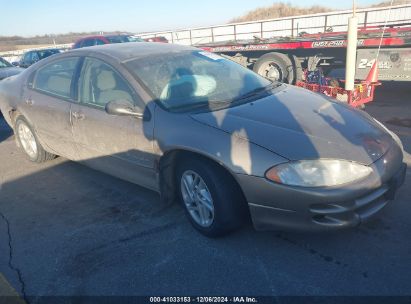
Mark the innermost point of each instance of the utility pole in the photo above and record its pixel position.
(350, 62)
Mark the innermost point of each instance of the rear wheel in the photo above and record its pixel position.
(298, 70)
(211, 198)
(276, 67)
(29, 142)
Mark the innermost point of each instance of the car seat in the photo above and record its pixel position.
(108, 90)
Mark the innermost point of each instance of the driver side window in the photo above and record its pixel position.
(100, 84)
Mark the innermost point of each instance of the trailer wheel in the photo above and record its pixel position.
(298, 70)
(276, 67)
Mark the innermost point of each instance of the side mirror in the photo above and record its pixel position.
(122, 107)
(15, 63)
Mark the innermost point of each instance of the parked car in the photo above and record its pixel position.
(157, 39)
(7, 69)
(224, 141)
(31, 57)
(107, 39)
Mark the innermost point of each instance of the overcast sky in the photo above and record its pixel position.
(38, 17)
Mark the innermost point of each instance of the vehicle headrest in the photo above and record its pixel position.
(190, 86)
(106, 80)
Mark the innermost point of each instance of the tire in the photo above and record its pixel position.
(229, 207)
(29, 142)
(298, 70)
(276, 67)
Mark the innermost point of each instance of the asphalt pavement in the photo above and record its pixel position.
(68, 230)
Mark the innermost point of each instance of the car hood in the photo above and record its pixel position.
(298, 124)
(11, 71)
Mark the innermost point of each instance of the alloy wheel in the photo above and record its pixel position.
(27, 139)
(197, 198)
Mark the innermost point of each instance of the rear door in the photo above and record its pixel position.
(48, 98)
(119, 145)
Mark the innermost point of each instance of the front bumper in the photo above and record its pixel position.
(275, 206)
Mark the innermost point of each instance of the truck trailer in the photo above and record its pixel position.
(282, 49)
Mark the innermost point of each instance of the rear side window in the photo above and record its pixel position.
(56, 77)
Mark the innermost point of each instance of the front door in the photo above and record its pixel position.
(119, 145)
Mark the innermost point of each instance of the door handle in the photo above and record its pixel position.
(29, 101)
(78, 115)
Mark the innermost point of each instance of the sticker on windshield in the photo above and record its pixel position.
(212, 56)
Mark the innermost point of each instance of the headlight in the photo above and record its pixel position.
(317, 173)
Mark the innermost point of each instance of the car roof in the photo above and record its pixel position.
(118, 35)
(89, 38)
(134, 50)
(92, 37)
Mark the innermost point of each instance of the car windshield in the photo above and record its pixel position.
(122, 39)
(4, 63)
(134, 39)
(193, 79)
(47, 53)
(117, 39)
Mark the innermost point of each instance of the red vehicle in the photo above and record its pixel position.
(157, 39)
(108, 39)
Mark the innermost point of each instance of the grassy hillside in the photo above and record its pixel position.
(282, 9)
(278, 10)
(387, 3)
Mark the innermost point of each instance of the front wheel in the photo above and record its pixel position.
(29, 142)
(212, 200)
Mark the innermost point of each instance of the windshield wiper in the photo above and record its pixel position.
(189, 106)
(206, 104)
(220, 104)
(258, 90)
